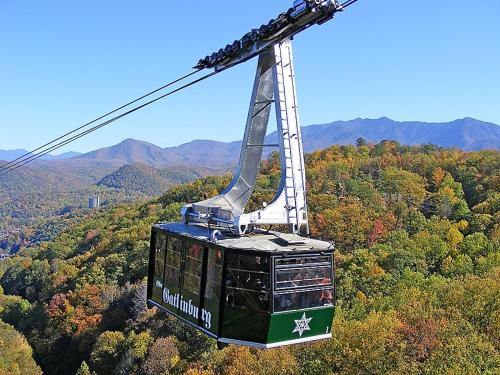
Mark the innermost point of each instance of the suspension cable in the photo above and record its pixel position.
(40, 150)
(88, 131)
(347, 3)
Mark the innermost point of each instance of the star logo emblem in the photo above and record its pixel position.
(302, 325)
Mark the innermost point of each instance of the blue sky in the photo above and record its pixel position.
(63, 63)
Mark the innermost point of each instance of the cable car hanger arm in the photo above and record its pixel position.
(274, 83)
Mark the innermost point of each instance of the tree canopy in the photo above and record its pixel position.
(417, 234)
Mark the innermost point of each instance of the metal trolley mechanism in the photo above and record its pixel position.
(218, 270)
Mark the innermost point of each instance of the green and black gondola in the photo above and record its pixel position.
(263, 289)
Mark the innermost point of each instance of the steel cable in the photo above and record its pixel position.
(88, 131)
(40, 150)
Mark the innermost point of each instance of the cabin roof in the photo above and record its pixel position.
(268, 241)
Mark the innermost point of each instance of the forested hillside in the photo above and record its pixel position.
(29, 196)
(147, 180)
(417, 233)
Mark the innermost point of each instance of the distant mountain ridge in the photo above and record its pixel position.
(196, 153)
(467, 134)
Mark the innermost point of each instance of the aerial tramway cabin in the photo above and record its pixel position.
(219, 270)
(262, 289)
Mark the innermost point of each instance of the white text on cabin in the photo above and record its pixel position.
(177, 300)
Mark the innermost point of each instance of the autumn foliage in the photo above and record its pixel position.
(417, 236)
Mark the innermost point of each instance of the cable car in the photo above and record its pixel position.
(264, 289)
(219, 270)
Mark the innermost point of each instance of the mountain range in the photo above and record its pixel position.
(467, 134)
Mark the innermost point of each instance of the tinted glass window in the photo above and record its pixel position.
(161, 240)
(213, 288)
(302, 277)
(172, 268)
(159, 266)
(247, 283)
(303, 282)
(283, 262)
(247, 298)
(214, 275)
(303, 299)
(193, 268)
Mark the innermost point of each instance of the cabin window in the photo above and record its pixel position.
(300, 261)
(303, 277)
(215, 260)
(246, 299)
(214, 275)
(303, 282)
(172, 268)
(247, 283)
(193, 268)
(160, 241)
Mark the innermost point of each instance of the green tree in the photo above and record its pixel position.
(13, 309)
(84, 369)
(448, 200)
(399, 184)
(240, 360)
(465, 355)
(364, 347)
(414, 222)
(135, 350)
(461, 265)
(475, 245)
(15, 353)
(404, 253)
(107, 352)
(360, 142)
